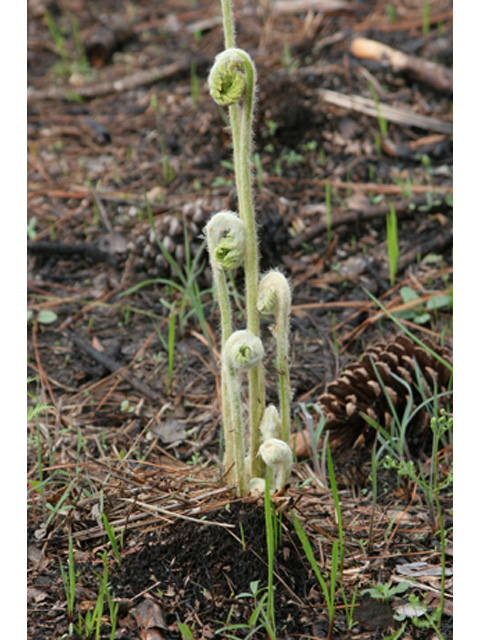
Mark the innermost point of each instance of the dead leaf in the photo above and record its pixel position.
(409, 610)
(35, 595)
(148, 615)
(155, 194)
(34, 554)
(171, 430)
(419, 569)
(433, 601)
(97, 344)
(151, 634)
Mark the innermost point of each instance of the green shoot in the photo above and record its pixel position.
(258, 619)
(392, 243)
(113, 541)
(384, 592)
(185, 631)
(171, 347)
(314, 435)
(328, 211)
(426, 17)
(397, 634)
(113, 608)
(333, 486)
(329, 594)
(191, 302)
(374, 498)
(56, 36)
(91, 622)
(68, 579)
(59, 506)
(349, 608)
(194, 83)
(382, 123)
(270, 520)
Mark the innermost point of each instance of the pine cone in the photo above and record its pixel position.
(357, 390)
(170, 230)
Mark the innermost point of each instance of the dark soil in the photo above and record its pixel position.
(136, 436)
(207, 564)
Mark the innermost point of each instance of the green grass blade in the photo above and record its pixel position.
(171, 346)
(392, 243)
(270, 535)
(310, 557)
(333, 486)
(113, 541)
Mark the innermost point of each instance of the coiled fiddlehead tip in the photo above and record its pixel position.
(226, 240)
(270, 425)
(267, 300)
(244, 350)
(274, 291)
(276, 452)
(227, 79)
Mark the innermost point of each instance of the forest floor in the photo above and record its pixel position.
(132, 529)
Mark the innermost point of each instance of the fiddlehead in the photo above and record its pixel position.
(231, 77)
(274, 297)
(276, 453)
(226, 240)
(278, 457)
(227, 78)
(242, 352)
(225, 235)
(270, 425)
(232, 82)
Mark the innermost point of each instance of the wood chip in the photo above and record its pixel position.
(368, 107)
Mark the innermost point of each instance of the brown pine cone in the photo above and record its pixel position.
(170, 230)
(358, 390)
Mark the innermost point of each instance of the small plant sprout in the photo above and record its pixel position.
(329, 593)
(232, 243)
(384, 592)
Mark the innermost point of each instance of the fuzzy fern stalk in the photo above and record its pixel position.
(232, 241)
(226, 247)
(232, 84)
